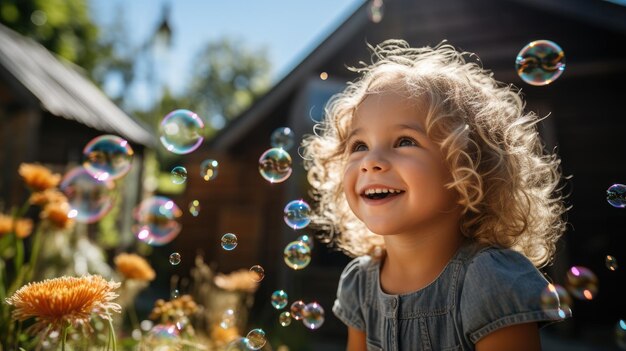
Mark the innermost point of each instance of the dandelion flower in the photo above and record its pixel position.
(133, 266)
(38, 177)
(57, 214)
(59, 302)
(22, 227)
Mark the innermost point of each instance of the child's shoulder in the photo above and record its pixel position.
(497, 263)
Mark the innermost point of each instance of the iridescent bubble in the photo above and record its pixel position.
(181, 131)
(256, 339)
(174, 294)
(297, 255)
(556, 301)
(239, 344)
(194, 208)
(297, 214)
(208, 169)
(229, 241)
(162, 337)
(611, 262)
(376, 10)
(89, 198)
(275, 165)
(616, 195)
(313, 315)
(175, 259)
(178, 175)
(284, 319)
(620, 334)
(228, 319)
(282, 138)
(297, 309)
(259, 273)
(582, 283)
(157, 221)
(279, 299)
(308, 240)
(107, 157)
(540, 62)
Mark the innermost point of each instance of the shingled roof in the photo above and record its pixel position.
(63, 91)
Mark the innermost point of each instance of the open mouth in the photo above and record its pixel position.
(379, 194)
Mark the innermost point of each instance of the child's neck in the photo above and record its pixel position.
(413, 262)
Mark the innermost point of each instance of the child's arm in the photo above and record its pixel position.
(356, 340)
(519, 337)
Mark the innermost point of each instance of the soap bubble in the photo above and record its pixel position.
(616, 195)
(307, 239)
(297, 214)
(556, 301)
(174, 294)
(181, 131)
(239, 344)
(376, 10)
(208, 169)
(179, 175)
(313, 315)
(256, 339)
(582, 283)
(175, 258)
(275, 165)
(284, 319)
(259, 273)
(163, 337)
(279, 299)
(611, 262)
(297, 309)
(157, 221)
(194, 208)
(297, 255)
(89, 198)
(228, 319)
(107, 157)
(229, 241)
(540, 62)
(282, 138)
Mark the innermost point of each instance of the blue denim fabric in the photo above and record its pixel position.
(478, 292)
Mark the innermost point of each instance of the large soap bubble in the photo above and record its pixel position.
(181, 131)
(107, 157)
(89, 198)
(157, 220)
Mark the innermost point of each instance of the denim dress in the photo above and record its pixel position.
(480, 290)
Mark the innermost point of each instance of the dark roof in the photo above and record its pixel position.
(63, 91)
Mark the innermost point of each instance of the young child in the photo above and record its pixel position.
(428, 170)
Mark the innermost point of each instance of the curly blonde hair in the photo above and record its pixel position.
(507, 185)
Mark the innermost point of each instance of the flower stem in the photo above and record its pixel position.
(64, 336)
(34, 255)
(112, 333)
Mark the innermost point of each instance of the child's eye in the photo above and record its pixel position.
(357, 146)
(406, 141)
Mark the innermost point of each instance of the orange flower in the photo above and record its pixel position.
(133, 266)
(37, 177)
(57, 214)
(48, 196)
(57, 302)
(23, 227)
(242, 280)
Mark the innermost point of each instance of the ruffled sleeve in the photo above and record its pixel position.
(350, 292)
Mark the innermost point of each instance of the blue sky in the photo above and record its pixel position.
(288, 29)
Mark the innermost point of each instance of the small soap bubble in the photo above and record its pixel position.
(229, 241)
(582, 283)
(540, 62)
(620, 334)
(181, 131)
(308, 240)
(297, 255)
(157, 223)
(556, 301)
(297, 309)
(89, 199)
(174, 294)
(282, 138)
(228, 319)
(146, 325)
(284, 319)
(376, 10)
(239, 344)
(275, 165)
(208, 169)
(323, 76)
(178, 175)
(163, 336)
(194, 208)
(297, 214)
(107, 157)
(174, 258)
(256, 339)
(259, 273)
(279, 299)
(313, 315)
(616, 195)
(611, 262)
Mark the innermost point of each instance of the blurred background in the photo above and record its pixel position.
(73, 70)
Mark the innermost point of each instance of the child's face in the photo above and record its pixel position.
(395, 175)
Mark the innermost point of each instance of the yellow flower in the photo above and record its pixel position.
(38, 177)
(133, 266)
(23, 227)
(56, 213)
(56, 303)
(240, 280)
(48, 196)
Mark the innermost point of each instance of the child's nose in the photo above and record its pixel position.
(374, 162)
